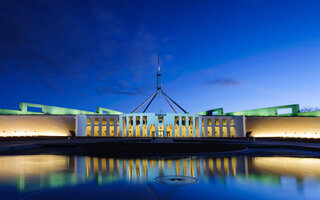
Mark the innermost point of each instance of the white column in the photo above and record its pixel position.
(194, 126)
(81, 125)
(205, 134)
(148, 127)
(141, 126)
(173, 128)
(92, 126)
(228, 128)
(180, 126)
(100, 126)
(187, 126)
(134, 125)
(164, 127)
(120, 126)
(200, 126)
(127, 131)
(220, 127)
(108, 126)
(115, 126)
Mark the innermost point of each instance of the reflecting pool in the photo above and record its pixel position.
(197, 177)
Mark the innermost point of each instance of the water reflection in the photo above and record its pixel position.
(29, 173)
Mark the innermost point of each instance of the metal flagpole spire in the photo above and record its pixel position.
(160, 92)
(159, 75)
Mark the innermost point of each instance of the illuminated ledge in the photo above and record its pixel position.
(30, 134)
(53, 110)
(269, 111)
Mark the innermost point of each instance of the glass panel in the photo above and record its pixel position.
(216, 121)
(104, 121)
(209, 122)
(111, 131)
(104, 130)
(88, 130)
(88, 120)
(231, 121)
(169, 131)
(209, 129)
(96, 130)
(217, 131)
(224, 130)
(232, 131)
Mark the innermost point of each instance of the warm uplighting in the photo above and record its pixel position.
(292, 166)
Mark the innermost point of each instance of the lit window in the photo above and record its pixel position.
(224, 121)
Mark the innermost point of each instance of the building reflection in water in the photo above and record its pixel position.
(34, 172)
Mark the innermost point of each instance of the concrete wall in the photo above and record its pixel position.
(302, 127)
(32, 125)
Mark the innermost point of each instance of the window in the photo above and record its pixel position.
(104, 120)
(88, 120)
(160, 119)
(111, 121)
(209, 122)
(224, 122)
(231, 121)
(216, 121)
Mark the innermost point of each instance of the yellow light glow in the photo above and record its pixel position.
(31, 134)
(299, 167)
(30, 165)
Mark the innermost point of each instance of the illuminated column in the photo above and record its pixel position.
(92, 126)
(120, 126)
(148, 127)
(157, 134)
(115, 124)
(200, 126)
(193, 126)
(141, 126)
(173, 128)
(108, 126)
(180, 126)
(164, 127)
(127, 131)
(134, 125)
(221, 127)
(187, 126)
(228, 128)
(205, 134)
(100, 126)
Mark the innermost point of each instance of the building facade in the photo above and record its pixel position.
(159, 125)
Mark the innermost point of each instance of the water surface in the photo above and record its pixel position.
(198, 177)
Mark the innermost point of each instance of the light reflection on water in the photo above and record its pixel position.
(32, 173)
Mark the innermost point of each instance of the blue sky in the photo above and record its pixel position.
(239, 54)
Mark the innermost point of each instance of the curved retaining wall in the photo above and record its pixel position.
(294, 127)
(36, 125)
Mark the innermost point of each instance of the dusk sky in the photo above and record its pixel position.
(240, 54)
